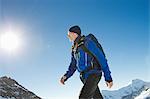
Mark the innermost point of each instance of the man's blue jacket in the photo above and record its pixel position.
(80, 60)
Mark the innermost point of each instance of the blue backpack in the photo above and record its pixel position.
(81, 44)
(93, 38)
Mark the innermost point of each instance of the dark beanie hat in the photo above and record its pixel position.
(75, 29)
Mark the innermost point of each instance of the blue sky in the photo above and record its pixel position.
(122, 27)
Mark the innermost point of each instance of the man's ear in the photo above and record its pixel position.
(75, 34)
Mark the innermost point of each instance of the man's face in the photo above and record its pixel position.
(71, 36)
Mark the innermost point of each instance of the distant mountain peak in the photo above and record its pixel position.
(131, 91)
(9, 88)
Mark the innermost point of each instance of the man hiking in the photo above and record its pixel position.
(89, 59)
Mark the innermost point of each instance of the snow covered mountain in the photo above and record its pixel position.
(138, 89)
(10, 89)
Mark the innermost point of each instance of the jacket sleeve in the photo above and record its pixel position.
(72, 67)
(92, 47)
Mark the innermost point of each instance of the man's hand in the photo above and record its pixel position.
(63, 79)
(109, 84)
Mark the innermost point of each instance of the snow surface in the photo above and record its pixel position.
(144, 95)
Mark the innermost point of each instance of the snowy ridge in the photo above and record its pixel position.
(136, 88)
(10, 89)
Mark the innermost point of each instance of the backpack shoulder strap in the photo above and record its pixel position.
(81, 44)
(85, 49)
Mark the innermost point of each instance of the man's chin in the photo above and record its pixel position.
(71, 40)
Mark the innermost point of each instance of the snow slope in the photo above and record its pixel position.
(144, 95)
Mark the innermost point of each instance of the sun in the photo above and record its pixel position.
(9, 41)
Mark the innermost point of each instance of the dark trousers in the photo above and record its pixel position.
(90, 89)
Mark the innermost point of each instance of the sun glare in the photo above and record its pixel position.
(9, 41)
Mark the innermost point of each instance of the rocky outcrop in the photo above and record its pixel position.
(9, 88)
